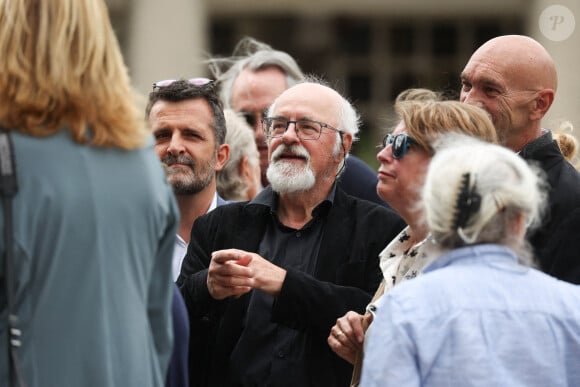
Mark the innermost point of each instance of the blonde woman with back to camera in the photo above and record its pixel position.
(404, 159)
(94, 219)
(479, 315)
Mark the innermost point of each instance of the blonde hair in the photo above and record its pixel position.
(567, 142)
(418, 94)
(426, 119)
(61, 66)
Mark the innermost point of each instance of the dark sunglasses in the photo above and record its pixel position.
(192, 81)
(252, 118)
(400, 144)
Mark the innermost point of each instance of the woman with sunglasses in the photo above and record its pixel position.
(481, 315)
(404, 158)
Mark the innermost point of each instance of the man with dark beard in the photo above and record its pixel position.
(187, 121)
(265, 280)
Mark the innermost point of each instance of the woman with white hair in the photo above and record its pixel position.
(479, 315)
(239, 179)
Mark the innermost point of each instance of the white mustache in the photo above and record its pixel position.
(295, 150)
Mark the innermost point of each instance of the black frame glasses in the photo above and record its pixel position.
(193, 81)
(275, 127)
(252, 118)
(400, 144)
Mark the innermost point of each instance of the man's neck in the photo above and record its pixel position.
(520, 140)
(191, 207)
(295, 209)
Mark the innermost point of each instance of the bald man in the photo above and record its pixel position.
(514, 79)
(264, 281)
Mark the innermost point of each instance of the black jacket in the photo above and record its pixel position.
(557, 242)
(360, 180)
(346, 276)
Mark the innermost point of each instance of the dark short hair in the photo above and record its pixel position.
(183, 90)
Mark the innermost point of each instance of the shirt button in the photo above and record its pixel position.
(281, 354)
(298, 234)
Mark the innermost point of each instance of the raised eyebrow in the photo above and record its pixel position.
(490, 82)
(194, 131)
(279, 118)
(485, 81)
(306, 119)
(286, 119)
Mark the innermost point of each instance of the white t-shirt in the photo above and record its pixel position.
(180, 248)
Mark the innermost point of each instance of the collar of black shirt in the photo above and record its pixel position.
(268, 198)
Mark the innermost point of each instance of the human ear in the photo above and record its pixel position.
(346, 142)
(223, 155)
(541, 104)
(518, 226)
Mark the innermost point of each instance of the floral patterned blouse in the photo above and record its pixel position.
(401, 260)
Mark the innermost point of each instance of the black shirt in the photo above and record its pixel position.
(282, 348)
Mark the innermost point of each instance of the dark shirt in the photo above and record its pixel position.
(360, 180)
(556, 244)
(282, 349)
(177, 375)
(345, 276)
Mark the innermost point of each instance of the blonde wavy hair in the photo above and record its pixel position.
(61, 66)
(426, 120)
(567, 143)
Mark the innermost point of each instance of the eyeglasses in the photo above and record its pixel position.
(192, 81)
(305, 129)
(400, 144)
(252, 118)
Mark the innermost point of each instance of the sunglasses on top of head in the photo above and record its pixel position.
(192, 81)
(400, 143)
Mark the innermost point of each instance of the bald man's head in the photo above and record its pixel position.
(522, 60)
(514, 79)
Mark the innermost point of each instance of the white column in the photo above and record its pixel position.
(166, 40)
(564, 45)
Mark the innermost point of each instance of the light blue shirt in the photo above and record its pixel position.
(476, 318)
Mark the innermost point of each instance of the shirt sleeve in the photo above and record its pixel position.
(390, 355)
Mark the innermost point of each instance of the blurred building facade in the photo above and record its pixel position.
(368, 49)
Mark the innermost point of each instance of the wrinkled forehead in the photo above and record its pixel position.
(487, 70)
(255, 90)
(517, 66)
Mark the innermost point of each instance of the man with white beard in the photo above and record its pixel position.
(265, 280)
